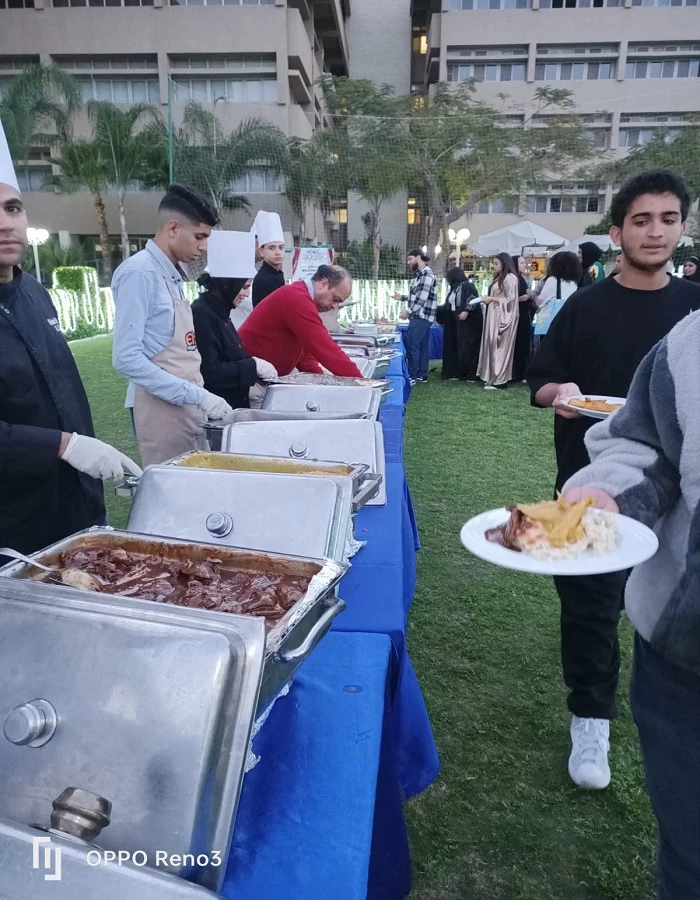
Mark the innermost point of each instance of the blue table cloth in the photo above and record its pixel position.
(320, 815)
(436, 340)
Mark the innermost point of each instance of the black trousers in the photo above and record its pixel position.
(523, 342)
(461, 345)
(590, 650)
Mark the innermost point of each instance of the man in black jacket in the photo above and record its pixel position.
(268, 230)
(51, 466)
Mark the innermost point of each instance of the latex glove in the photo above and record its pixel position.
(215, 407)
(97, 459)
(564, 392)
(266, 371)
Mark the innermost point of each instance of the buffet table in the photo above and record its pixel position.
(436, 339)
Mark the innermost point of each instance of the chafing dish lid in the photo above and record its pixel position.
(320, 398)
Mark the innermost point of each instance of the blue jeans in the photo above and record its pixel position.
(666, 707)
(417, 347)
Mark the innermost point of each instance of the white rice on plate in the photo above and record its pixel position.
(601, 536)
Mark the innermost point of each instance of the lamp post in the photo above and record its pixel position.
(37, 237)
(458, 238)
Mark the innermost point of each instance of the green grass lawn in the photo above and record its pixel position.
(503, 821)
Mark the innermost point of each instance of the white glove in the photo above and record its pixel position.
(266, 371)
(97, 459)
(215, 407)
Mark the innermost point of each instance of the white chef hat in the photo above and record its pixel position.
(268, 228)
(231, 254)
(7, 169)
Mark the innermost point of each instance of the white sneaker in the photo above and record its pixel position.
(590, 743)
(490, 387)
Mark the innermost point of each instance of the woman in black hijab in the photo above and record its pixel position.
(589, 254)
(691, 269)
(523, 338)
(463, 325)
(228, 371)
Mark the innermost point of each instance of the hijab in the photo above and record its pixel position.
(696, 277)
(590, 254)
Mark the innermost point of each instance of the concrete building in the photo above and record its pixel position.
(633, 66)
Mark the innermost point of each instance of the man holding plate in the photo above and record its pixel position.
(594, 347)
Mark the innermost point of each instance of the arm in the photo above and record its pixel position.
(220, 374)
(303, 319)
(636, 453)
(28, 449)
(131, 294)
(511, 288)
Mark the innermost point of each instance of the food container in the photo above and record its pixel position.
(324, 398)
(214, 428)
(146, 705)
(298, 515)
(72, 878)
(365, 329)
(356, 441)
(285, 644)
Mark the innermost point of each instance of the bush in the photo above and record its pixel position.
(357, 259)
(71, 278)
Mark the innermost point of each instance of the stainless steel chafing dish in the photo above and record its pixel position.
(319, 398)
(214, 428)
(299, 515)
(146, 705)
(286, 644)
(360, 441)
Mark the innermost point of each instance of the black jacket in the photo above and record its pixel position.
(41, 395)
(227, 369)
(266, 281)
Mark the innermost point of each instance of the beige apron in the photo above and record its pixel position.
(164, 430)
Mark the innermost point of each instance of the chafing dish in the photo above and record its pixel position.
(73, 878)
(360, 441)
(376, 366)
(300, 515)
(214, 428)
(354, 340)
(147, 705)
(319, 398)
(286, 643)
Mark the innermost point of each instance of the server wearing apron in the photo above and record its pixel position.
(155, 346)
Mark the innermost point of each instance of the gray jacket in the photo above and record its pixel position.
(647, 456)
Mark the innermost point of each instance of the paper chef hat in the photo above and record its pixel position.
(7, 169)
(231, 254)
(268, 228)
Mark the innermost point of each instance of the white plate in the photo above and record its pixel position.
(589, 413)
(636, 544)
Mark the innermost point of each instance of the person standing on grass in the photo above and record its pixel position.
(523, 337)
(51, 465)
(267, 228)
(422, 308)
(155, 346)
(594, 346)
(463, 324)
(501, 327)
(560, 282)
(593, 271)
(644, 464)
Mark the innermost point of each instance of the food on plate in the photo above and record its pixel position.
(556, 529)
(599, 406)
(209, 584)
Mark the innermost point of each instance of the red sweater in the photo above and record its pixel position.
(287, 331)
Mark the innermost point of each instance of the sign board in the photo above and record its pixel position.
(306, 260)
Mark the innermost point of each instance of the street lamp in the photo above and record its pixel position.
(458, 238)
(37, 237)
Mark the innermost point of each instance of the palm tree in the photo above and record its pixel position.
(37, 108)
(82, 163)
(121, 135)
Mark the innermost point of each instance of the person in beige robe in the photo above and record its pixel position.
(501, 325)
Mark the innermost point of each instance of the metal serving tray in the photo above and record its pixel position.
(299, 515)
(147, 705)
(214, 428)
(319, 398)
(360, 441)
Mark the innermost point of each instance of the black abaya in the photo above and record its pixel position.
(523, 337)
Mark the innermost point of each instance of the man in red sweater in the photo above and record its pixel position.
(286, 329)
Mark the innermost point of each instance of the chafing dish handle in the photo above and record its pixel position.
(387, 390)
(298, 654)
(368, 491)
(127, 488)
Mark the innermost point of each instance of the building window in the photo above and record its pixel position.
(33, 178)
(574, 71)
(488, 72)
(659, 47)
(663, 68)
(499, 205)
(518, 51)
(598, 138)
(107, 63)
(563, 204)
(489, 4)
(222, 2)
(258, 181)
(16, 4)
(238, 90)
(239, 62)
(578, 4)
(64, 3)
(17, 63)
(577, 50)
(120, 90)
(341, 215)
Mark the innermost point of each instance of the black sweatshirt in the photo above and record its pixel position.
(266, 281)
(42, 499)
(597, 341)
(228, 371)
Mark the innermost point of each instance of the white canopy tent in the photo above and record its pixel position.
(514, 239)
